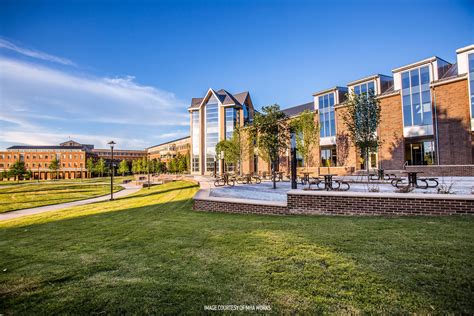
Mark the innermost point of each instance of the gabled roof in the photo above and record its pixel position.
(225, 98)
(296, 110)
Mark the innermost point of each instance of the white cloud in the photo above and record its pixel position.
(34, 53)
(42, 105)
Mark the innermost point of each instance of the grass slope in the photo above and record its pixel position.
(17, 197)
(150, 253)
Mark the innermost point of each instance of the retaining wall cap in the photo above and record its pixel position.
(428, 196)
(204, 195)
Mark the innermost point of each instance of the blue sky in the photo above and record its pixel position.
(126, 70)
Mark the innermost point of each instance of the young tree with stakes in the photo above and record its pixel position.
(123, 167)
(100, 167)
(362, 120)
(90, 166)
(18, 170)
(306, 134)
(54, 166)
(270, 131)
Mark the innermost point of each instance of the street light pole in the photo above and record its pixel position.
(293, 161)
(148, 169)
(112, 143)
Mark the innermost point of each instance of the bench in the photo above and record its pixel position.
(430, 179)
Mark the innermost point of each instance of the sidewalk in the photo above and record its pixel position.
(128, 189)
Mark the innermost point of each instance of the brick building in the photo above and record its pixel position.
(212, 119)
(72, 158)
(427, 121)
(119, 154)
(169, 150)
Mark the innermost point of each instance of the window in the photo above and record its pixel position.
(39, 164)
(420, 153)
(28, 157)
(230, 122)
(416, 97)
(212, 132)
(471, 82)
(328, 156)
(41, 156)
(46, 157)
(365, 88)
(196, 141)
(326, 115)
(64, 156)
(45, 164)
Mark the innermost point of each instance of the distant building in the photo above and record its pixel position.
(169, 150)
(119, 154)
(72, 157)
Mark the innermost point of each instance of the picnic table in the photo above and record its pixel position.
(414, 181)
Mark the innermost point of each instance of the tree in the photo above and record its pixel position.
(54, 166)
(233, 148)
(100, 167)
(306, 135)
(123, 167)
(90, 166)
(362, 120)
(270, 131)
(172, 166)
(18, 170)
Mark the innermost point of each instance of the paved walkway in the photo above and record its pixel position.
(128, 189)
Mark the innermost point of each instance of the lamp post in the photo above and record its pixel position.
(223, 162)
(293, 161)
(112, 143)
(148, 169)
(215, 166)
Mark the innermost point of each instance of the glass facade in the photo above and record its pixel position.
(212, 132)
(326, 115)
(471, 82)
(420, 153)
(416, 97)
(231, 119)
(328, 156)
(196, 141)
(365, 88)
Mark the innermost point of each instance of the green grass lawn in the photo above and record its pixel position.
(18, 197)
(150, 253)
(117, 180)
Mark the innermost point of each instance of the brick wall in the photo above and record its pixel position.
(243, 208)
(392, 149)
(337, 203)
(454, 124)
(346, 204)
(446, 171)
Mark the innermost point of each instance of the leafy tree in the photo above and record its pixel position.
(270, 131)
(181, 164)
(17, 170)
(172, 166)
(100, 167)
(123, 167)
(306, 134)
(90, 166)
(362, 120)
(54, 166)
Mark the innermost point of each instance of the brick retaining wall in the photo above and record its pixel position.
(343, 203)
(364, 204)
(444, 170)
(243, 208)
